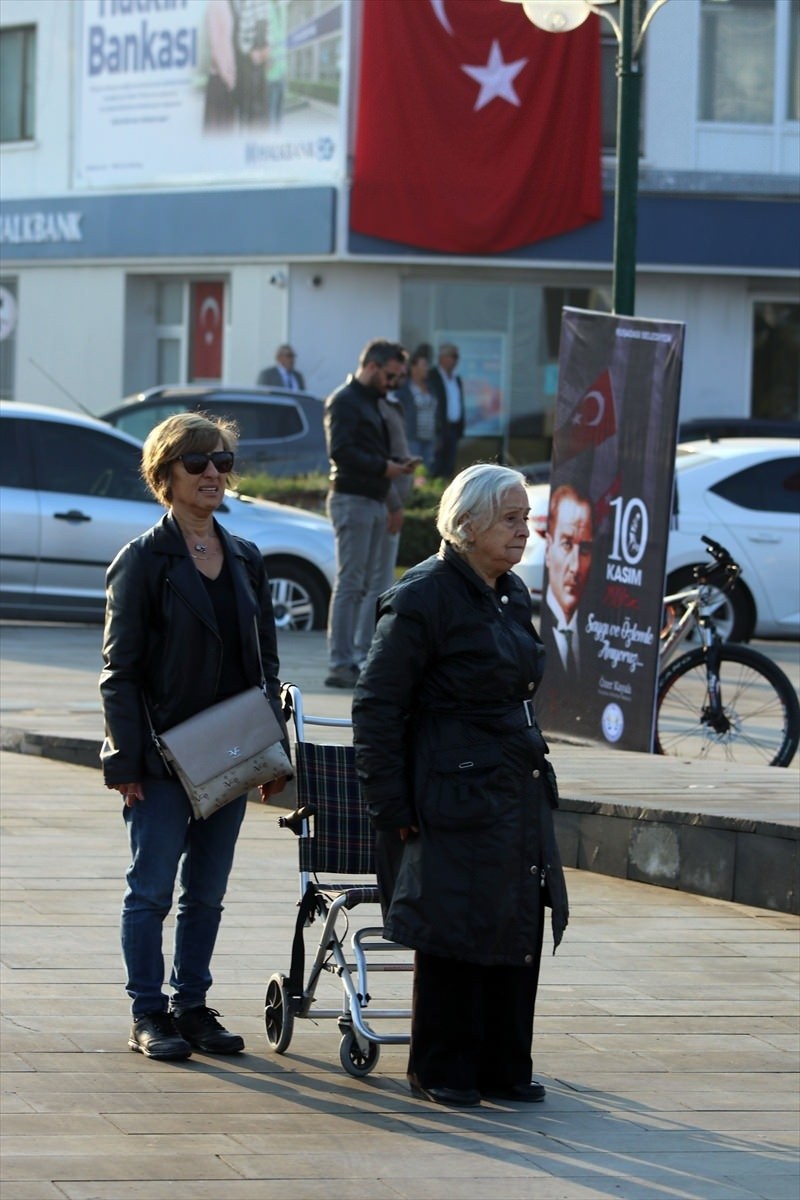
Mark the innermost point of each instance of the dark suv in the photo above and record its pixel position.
(280, 432)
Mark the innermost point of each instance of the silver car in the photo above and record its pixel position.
(71, 496)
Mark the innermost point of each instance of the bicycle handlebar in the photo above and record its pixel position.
(724, 565)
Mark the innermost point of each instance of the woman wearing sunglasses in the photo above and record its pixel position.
(189, 622)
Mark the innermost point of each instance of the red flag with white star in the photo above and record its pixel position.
(477, 132)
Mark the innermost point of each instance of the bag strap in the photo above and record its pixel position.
(263, 683)
(305, 915)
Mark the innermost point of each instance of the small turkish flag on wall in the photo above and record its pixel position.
(476, 132)
(208, 298)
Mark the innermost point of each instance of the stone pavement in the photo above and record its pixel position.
(666, 1036)
(727, 831)
(666, 1032)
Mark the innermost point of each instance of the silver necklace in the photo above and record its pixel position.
(200, 548)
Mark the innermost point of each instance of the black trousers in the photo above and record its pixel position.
(472, 1025)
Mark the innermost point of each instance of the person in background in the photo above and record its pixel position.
(448, 390)
(252, 57)
(189, 621)
(383, 575)
(283, 374)
(277, 66)
(219, 56)
(419, 405)
(362, 470)
(454, 773)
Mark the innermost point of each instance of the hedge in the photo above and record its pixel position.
(419, 537)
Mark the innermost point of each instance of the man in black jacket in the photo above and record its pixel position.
(362, 469)
(448, 390)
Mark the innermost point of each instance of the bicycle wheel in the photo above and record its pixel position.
(760, 718)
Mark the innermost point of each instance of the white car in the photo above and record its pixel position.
(71, 496)
(743, 493)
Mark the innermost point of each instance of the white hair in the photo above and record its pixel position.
(474, 497)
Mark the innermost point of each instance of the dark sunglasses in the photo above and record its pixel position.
(195, 464)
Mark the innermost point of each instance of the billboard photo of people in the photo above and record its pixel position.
(209, 90)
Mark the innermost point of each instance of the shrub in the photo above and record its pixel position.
(419, 537)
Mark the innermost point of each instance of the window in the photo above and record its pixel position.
(508, 332)
(772, 486)
(260, 420)
(8, 336)
(141, 418)
(749, 48)
(17, 83)
(776, 360)
(85, 462)
(15, 466)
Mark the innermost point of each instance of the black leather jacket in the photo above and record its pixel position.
(161, 642)
(357, 441)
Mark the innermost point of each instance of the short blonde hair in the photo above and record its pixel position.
(474, 497)
(182, 433)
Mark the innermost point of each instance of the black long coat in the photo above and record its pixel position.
(443, 743)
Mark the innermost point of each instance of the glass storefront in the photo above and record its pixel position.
(507, 334)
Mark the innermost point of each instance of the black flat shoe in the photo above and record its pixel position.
(524, 1093)
(452, 1097)
(156, 1035)
(201, 1029)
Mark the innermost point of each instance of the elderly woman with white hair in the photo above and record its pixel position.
(454, 772)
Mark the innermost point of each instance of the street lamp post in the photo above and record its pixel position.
(561, 16)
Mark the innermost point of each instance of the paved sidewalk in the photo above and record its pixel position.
(666, 1036)
(727, 831)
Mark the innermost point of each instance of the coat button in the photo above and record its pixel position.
(504, 599)
(534, 870)
(528, 959)
(531, 687)
(536, 773)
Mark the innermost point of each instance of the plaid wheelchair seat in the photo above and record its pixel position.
(342, 840)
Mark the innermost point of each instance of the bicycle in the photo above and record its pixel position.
(720, 700)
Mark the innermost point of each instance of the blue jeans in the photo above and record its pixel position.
(167, 842)
(360, 528)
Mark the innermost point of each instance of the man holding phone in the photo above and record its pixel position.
(363, 468)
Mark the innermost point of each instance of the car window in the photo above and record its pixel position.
(772, 486)
(86, 462)
(142, 418)
(15, 464)
(260, 419)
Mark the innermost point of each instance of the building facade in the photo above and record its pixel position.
(147, 238)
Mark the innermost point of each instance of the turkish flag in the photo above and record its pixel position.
(205, 360)
(590, 423)
(477, 132)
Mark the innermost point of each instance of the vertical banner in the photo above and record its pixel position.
(608, 524)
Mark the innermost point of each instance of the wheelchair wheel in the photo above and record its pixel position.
(278, 1015)
(354, 1060)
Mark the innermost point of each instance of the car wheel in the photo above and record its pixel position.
(299, 599)
(733, 612)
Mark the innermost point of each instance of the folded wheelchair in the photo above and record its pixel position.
(335, 839)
